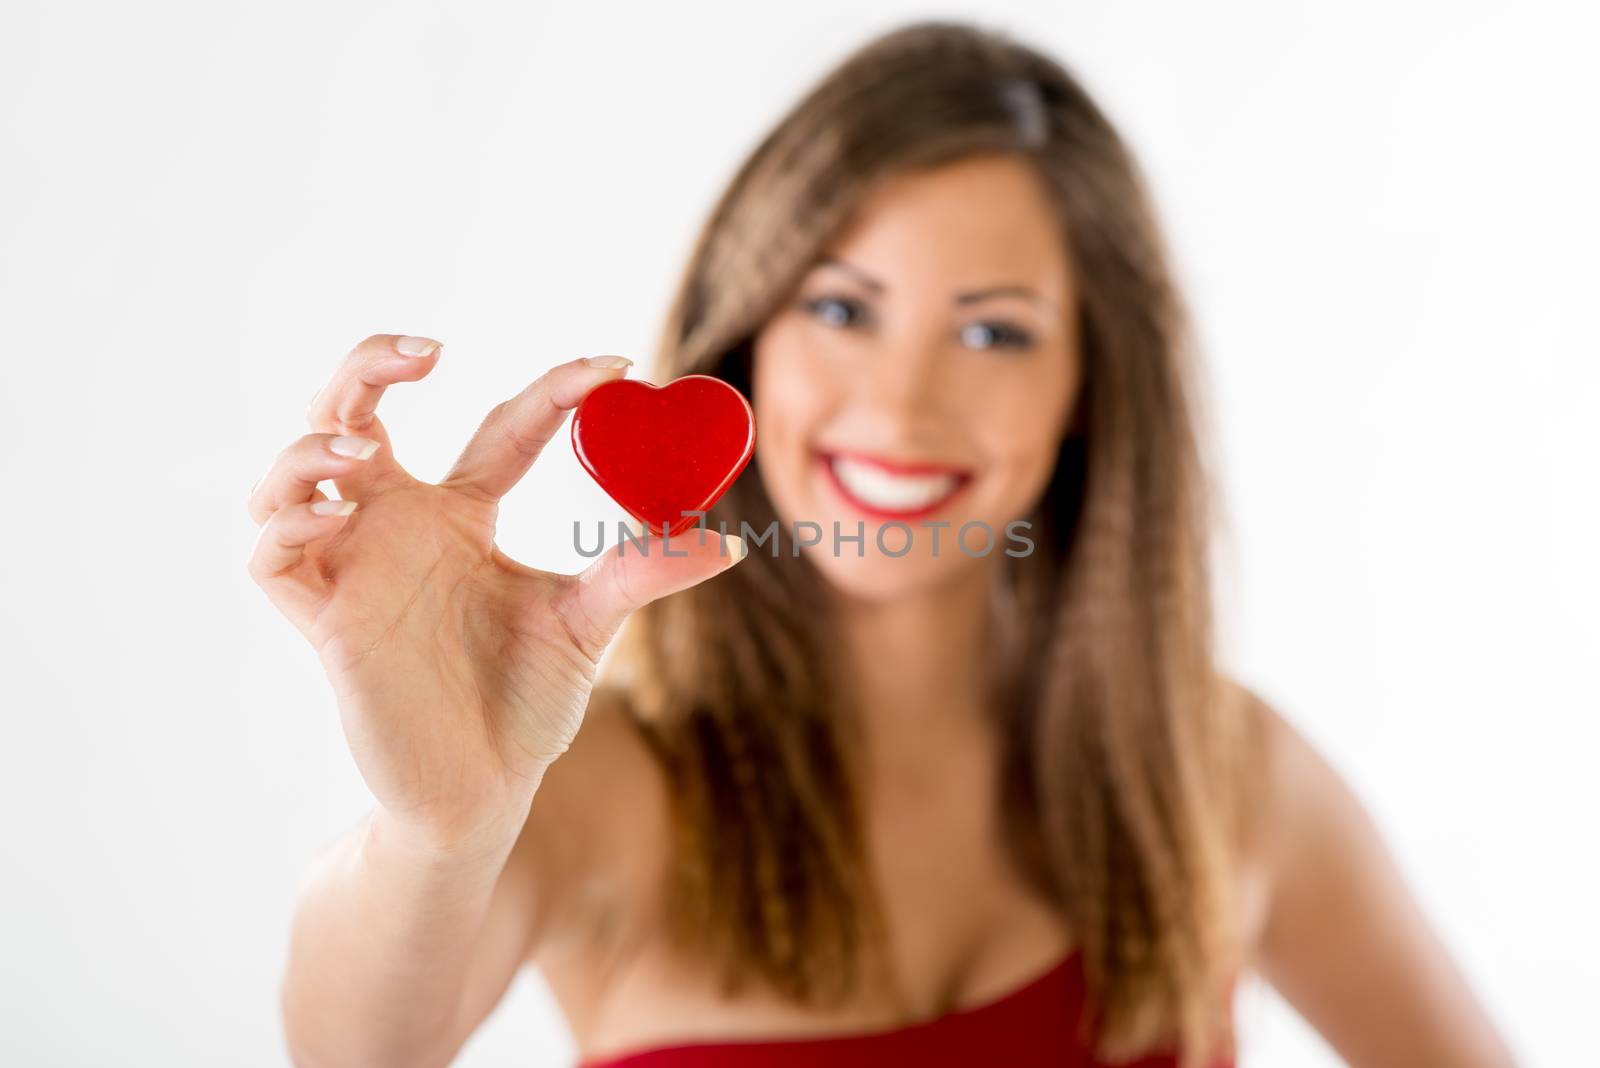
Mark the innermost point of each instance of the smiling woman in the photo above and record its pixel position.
(927, 369)
(952, 305)
(846, 807)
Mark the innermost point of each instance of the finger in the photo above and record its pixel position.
(628, 577)
(293, 476)
(348, 404)
(281, 547)
(514, 433)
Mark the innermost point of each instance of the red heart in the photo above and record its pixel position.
(660, 451)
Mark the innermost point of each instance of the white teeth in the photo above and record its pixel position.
(878, 488)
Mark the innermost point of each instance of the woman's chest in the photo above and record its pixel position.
(962, 930)
(961, 917)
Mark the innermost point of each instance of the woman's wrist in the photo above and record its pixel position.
(456, 848)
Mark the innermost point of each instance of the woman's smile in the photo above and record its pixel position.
(885, 489)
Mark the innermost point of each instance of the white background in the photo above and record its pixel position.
(1385, 218)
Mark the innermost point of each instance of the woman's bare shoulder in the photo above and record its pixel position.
(1300, 792)
(1276, 758)
(593, 840)
(1343, 939)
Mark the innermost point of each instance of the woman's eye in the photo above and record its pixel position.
(836, 311)
(993, 335)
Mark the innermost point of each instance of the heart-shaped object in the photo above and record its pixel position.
(660, 451)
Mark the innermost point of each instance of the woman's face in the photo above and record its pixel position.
(924, 374)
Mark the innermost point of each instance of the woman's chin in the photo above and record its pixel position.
(875, 576)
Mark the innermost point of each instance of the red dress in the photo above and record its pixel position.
(1032, 1026)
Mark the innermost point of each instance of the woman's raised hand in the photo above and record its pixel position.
(460, 674)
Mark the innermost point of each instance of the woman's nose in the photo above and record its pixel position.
(905, 379)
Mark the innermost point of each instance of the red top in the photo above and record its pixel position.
(1033, 1025)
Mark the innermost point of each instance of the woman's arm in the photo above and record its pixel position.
(426, 928)
(460, 675)
(437, 936)
(1344, 940)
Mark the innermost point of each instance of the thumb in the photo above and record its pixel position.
(632, 574)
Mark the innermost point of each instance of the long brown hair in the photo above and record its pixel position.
(1129, 757)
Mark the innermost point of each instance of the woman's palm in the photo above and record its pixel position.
(460, 674)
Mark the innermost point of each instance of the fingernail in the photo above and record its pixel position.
(415, 346)
(607, 362)
(360, 448)
(333, 507)
(734, 546)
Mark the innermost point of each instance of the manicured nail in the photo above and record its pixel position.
(607, 362)
(360, 448)
(415, 346)
(733, 545)
(333, 507)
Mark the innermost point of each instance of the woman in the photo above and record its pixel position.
(866, 799)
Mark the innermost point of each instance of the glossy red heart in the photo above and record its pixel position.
(660, 451)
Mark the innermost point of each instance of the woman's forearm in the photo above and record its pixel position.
(382, 943)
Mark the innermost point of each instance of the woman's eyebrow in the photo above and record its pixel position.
(860, 276)
(969, 297)
(1017, 290)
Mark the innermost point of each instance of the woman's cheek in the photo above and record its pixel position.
(1024, 446)
(788, 399)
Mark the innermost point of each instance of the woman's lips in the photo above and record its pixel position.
(889, 489)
